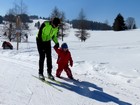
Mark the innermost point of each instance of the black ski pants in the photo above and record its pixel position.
(44, 50)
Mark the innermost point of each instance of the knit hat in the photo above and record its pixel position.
(64, 45)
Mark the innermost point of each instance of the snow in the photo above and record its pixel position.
(106, 65)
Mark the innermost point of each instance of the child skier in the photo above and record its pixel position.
(63, 61)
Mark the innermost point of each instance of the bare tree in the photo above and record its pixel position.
(130, 23)
(20, 8)
(82, 33)
(57, 13)
(106, 22)
(63, 27)
(10, 25)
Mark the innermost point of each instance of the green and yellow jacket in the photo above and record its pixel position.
(47, 32)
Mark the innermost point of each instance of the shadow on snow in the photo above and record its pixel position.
(89, 90)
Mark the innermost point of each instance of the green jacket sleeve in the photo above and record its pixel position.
(54, 38)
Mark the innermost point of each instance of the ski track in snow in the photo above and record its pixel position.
(100, 82)
(25, 89)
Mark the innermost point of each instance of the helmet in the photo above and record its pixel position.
(64, 45)
(56, 21)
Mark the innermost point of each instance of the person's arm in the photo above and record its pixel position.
(40, 32)
(54, 38)
(71, 61)
(56, 49)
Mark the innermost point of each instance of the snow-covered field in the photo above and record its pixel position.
(107, 66)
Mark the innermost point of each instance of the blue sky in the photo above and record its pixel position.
(95, 10)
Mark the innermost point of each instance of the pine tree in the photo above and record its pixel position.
(119, 24)
(1, 19)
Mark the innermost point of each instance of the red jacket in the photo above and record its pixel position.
(64, 57)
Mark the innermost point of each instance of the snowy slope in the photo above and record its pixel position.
(107, 66)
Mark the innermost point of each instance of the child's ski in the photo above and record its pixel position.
(49, 83)
(72, 80)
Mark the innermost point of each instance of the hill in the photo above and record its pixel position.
(106, 66)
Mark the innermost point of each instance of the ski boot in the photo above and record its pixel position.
(41, 76)
(50, 76)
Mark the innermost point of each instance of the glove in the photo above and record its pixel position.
(71, 64)
(56, 45)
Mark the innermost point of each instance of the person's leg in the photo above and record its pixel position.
(41, 60)
(68, 72)
(49, 57)
(41, 57)
(59, 71)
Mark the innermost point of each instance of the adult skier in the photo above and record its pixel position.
(47, 32)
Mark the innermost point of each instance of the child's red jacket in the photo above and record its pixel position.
(64, 57)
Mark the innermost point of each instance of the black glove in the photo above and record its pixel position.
(56, 45)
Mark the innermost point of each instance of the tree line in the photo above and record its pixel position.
(81, 23)
(118, 25)
(90, 25)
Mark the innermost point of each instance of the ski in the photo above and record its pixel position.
(72, 80)
(48, 83)
(54, 80)
(58, 82)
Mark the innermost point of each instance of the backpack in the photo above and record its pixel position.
(7, 45)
